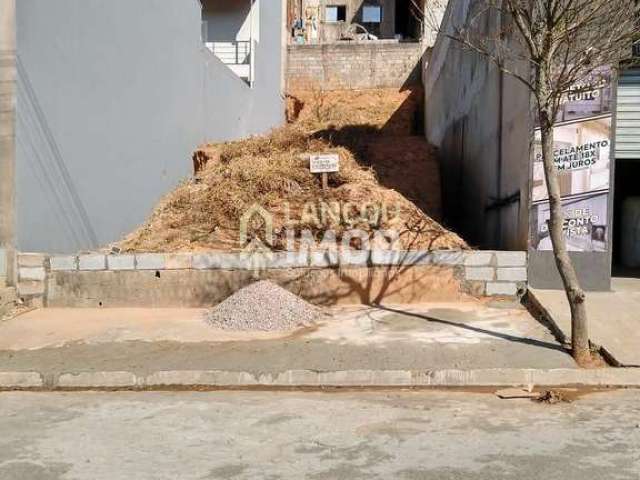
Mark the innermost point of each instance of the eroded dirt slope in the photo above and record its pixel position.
(386, 169)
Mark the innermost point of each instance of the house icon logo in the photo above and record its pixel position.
(256, 213)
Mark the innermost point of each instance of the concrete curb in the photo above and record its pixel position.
(20, 380)
(499, 377)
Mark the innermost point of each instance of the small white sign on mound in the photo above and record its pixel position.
(324, 163)
(263, 306)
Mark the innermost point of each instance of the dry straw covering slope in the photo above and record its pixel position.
(204, 212)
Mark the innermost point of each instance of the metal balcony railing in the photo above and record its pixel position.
(237, 55)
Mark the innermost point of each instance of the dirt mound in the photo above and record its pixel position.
(384, 130)
(263, 306)
(408, 165)
(384, 111)
(272, 171)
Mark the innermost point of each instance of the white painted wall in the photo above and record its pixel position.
(113, 97)
(229, 20)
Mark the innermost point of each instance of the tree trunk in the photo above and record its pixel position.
(575, 294)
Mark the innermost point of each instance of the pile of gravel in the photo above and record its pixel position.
(263, 306)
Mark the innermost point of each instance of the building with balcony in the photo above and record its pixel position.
(328, 21)
(112, 97)
(231, 31)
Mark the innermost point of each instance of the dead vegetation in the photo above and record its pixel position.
(551, 397)
(204, 212)
(381, 110)
(10, 305)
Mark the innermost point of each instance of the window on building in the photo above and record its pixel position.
(371, 14)
(335, 13)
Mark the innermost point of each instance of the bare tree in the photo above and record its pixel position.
(553, 47)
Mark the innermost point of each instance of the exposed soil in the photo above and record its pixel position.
(551, 397)
(10, 305)
(596, 361)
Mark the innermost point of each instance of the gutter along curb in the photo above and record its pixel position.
(307, 379)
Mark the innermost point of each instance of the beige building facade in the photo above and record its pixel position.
(329, 21)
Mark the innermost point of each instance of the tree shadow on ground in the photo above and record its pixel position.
(503, 336)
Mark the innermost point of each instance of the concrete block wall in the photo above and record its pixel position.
(200, 279)
(32, 277)
(498, 273)
(339, 66)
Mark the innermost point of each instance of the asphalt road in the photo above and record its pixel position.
(258, 435)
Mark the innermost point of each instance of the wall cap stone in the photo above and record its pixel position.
(31, 259)
(281, 259)
(38, 274)
(92, 262)
(326, 259)
(511, 259)
(217, 261)
(179, 261)
(150, 261)
(480, 258)
(502, 289)
(121, 262)
(63, 263)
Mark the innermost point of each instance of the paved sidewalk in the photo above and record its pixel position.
(614, 318)
(460, 336)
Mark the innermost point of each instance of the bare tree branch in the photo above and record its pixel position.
(562, 45)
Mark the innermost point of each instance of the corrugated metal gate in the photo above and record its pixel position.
(628, 116)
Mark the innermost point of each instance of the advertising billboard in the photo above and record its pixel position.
(585, 225)
(582, 156)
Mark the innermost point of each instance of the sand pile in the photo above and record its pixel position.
(263, 306)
